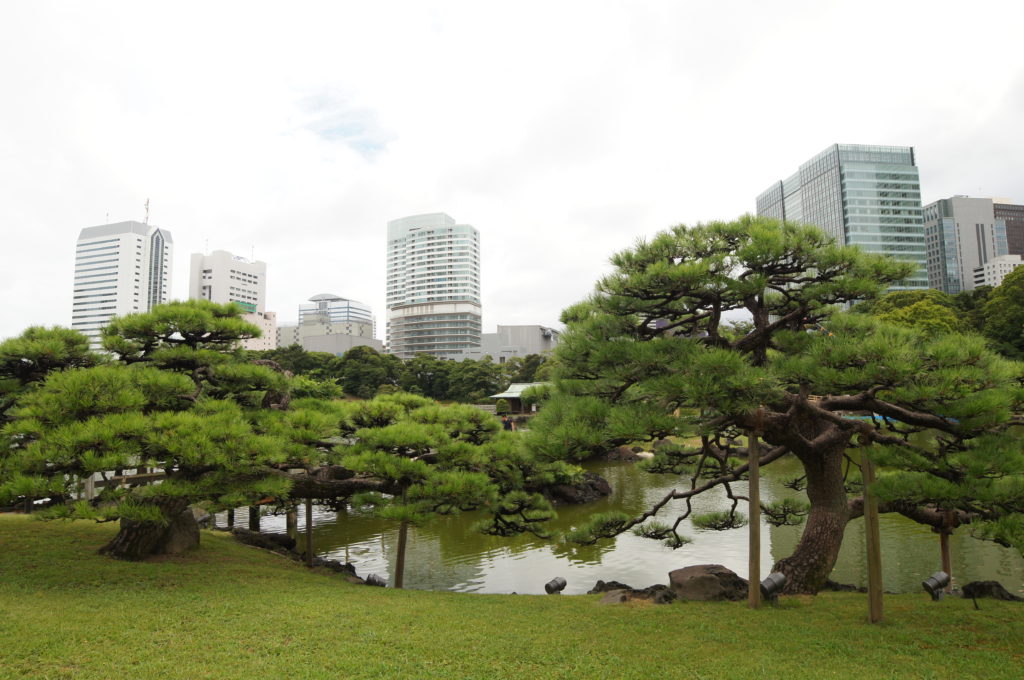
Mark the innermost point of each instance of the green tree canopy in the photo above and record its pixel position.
(647, 357)
(1003, 315)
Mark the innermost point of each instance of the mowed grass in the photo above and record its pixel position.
(231, 611)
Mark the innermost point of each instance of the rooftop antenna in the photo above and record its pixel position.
(252, 253)
(147, 212)
(206, 248)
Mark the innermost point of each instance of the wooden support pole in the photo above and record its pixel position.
(947, 563)
(291, 523)
(231, 518)
(403, 532)
(754, 525)
(254, 518)
(309, 532)
(874, 544)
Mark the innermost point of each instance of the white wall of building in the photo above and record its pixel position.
(222, 277)
(995, 270)
(120, 269)
(267, 322)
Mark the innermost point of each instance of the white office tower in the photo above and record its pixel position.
(120, 269)
(433, 294)
(222, 277)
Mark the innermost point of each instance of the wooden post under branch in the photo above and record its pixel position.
(254, 518)
(754, 523)
(231, 518)
(291, 523)
(947, 563)
(403, 533)
(309, 532)
(873, 538)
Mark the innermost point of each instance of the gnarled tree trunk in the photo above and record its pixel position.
(138, 540)
(815, 555)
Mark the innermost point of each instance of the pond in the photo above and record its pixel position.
(446, 555)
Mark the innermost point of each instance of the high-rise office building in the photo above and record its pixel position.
(328, 308)
(1013, 217)
(222, 277)
(962, 235)
(120, 269)
(433, 293)
(868, 196)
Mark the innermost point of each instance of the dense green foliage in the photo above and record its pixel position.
(362, 372)
(220, 426)
(1003, 315)
(648, 357)
(229, 612)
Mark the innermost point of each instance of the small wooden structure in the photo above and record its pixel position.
(514, 396)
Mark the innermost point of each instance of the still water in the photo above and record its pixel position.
(446, 555)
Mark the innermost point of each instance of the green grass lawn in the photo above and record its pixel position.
(231, 611)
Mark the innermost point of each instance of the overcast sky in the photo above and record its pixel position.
(563, 131)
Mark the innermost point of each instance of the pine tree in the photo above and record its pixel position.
(175, 400)
(441, 460)
(649, 356)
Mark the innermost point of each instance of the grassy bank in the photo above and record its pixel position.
(230, 611)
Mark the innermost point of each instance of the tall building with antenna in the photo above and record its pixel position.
(120, 268)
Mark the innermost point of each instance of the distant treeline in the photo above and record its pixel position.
(363, 372)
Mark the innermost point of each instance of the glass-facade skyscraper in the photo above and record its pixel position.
(868, 196)
(433, 294)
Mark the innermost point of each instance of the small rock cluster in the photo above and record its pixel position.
(283, 544)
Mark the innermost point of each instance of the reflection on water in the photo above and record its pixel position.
(446, 555)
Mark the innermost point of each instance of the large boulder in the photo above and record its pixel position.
(591, 487)
(623, 453)
(707, 582)
(182, 534)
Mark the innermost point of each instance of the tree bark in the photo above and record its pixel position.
(815, 555)
(138, 540)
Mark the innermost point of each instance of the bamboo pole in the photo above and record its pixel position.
(874, 546)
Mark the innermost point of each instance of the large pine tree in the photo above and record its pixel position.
(650, 355)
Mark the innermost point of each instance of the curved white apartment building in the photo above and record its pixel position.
(433, 294)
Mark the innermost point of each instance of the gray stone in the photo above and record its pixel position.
(182, 534)
(705, 582)
(615, 597)
(591, 487)
(374, 580)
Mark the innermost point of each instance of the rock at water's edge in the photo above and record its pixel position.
(705, 582)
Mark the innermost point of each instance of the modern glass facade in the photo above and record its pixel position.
(1012, 216)
(433, 292)
(869, 196)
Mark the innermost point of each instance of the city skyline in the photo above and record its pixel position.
(563, 141)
